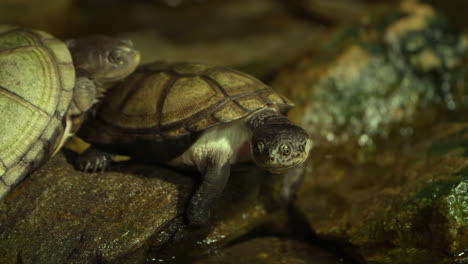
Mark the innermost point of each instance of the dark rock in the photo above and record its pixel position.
(271, 250)
(252, 197)
(412, 208)
(60, 215)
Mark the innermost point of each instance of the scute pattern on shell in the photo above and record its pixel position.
(36, 84)
(174, 100)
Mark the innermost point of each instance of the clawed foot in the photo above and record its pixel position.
(93, 160)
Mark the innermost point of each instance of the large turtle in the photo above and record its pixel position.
(198, 115)
(38, 86)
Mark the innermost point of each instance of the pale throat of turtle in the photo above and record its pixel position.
(224, 143)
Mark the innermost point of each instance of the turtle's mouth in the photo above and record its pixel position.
(279, 170)
(279, 167)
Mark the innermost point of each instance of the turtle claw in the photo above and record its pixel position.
(93, 160)
(104, 168)
(87, 166)
(101, 164)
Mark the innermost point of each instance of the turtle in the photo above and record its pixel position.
(100, 62)
(194, 115)
(44, 84)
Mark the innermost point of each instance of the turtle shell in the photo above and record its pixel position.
(36, 85)
(175, 100)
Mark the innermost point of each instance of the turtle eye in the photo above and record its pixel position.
(285, 150)
(116, 57)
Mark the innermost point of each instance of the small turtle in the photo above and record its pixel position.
(100, 62)
(198, 115)
(40, 80)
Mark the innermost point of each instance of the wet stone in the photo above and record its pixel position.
(250, 199)
(60, 215)
(130, 215)
(411, 208)
(271, 250)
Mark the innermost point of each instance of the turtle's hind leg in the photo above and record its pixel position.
(94, 159)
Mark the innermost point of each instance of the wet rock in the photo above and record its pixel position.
(252, 197)
(406, 206)
(273, 251)
(400, 70)
(60, 215)
(133, 214)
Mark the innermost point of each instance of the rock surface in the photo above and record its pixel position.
(271, 250)
(414, 206)
(250, 199)
(60, 215)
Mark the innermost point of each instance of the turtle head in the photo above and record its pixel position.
(105, 59)
(278, 147)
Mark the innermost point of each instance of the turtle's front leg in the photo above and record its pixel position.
(214, 179)
(292, 180)
(94, 159)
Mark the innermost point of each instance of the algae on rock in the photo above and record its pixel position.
(394, 73)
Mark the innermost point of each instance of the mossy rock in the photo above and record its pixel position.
(413, 206)
(394, 74)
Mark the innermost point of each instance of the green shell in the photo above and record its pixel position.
(36, 85)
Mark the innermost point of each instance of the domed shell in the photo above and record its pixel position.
(36, 85)
(179, 99)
